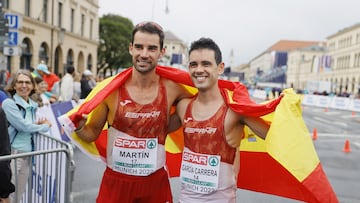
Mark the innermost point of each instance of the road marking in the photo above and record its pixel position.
(336, 135)
(350, 116)
(332, 113)
(330, 122)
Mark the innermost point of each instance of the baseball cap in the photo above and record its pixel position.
(43, 68)
(87, 73)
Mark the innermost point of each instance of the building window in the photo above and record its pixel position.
(26, 57)
(72, 19)
(6, 4)
(91, 28)
(27, 7)
(43, 52)
(82, 24)
(45, 10)
(70, 58)
(60, 14)
(302, 58)
(89, 62)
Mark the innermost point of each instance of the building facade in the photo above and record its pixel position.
(303, 66)
(58, 32)
(344, 49)
(270, 66)
(337, 63)
(176, 51)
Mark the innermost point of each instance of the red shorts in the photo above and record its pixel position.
(117, 187)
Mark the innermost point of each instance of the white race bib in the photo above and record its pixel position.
(200, 172)
(135, 156)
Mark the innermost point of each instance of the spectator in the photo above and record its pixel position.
(3, 93)
(87, 84)
(41, 90)
(67, 85)
(92, 81)
(20, 111)
(32, 70)
(6, 186)
(50, 78)
(77, 85)
(3, 96)
(3, 79)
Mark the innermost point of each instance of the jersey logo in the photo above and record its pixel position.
(123, 103)
(186, 120)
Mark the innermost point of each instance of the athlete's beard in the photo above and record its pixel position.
(145, 69)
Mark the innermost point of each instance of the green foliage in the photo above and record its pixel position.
(115, 36)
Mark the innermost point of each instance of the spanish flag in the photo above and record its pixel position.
(284, 164)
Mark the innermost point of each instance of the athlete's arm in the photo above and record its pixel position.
(174, 123)
(257, 125)
(93, 127)
(176, 92)
(176, 118)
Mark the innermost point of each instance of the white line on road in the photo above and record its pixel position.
(337, 135)
(330, 122)
(350, 116)
(332, 113)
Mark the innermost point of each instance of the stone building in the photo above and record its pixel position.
(344, 49)
(337, 63)
(176, 51)
(59, 32)
(302, 66)
(272, 63)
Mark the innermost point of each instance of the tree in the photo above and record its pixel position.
(115, 36)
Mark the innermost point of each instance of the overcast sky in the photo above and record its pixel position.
(248, 27)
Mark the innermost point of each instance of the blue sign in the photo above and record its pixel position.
(13, 38)
(13, 21)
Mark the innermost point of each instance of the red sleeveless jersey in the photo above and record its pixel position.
(208, 136)
(142, 120)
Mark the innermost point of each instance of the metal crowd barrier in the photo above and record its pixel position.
(51, 171)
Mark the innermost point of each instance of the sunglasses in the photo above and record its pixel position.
(142, 24)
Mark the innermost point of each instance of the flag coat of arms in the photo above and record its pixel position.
(284, 164)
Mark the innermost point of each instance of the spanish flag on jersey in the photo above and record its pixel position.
(284, 164)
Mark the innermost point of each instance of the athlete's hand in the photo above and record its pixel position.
(82, 122)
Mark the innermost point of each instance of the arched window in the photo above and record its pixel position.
(89, 62)
(44, 52)
(26, 56)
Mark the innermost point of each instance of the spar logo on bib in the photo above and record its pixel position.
(151, 144)
(195, 158)
(135, 144)
(213, 161)
(130, 144)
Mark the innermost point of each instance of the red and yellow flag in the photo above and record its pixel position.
(285, 164)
